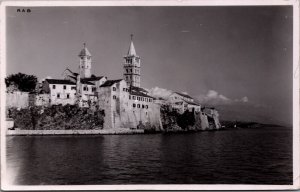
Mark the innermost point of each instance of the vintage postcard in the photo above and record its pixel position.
(149, 95)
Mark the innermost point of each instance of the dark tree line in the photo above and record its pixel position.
(23, 82)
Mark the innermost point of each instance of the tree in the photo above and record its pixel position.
(23, 82)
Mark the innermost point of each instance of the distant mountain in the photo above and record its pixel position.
(245, 112)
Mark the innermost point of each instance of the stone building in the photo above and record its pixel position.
(182, 102)
(132, 67)
(126, 104)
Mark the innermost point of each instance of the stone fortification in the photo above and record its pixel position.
(17, 99)
(123, 109)
(68, 117)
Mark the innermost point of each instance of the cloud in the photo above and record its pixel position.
(245, 99)
(213, 97)
(159, 92)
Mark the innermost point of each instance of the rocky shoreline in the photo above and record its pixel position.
(74, 120)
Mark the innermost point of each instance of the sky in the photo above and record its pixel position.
(237, 57)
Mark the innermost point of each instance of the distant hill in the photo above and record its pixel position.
(249, 113)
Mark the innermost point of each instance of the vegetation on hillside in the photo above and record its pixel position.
(22, 82)
(57, 117)
(174, 121)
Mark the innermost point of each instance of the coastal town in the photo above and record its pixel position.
(125, 103)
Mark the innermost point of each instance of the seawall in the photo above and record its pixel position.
(76, 132)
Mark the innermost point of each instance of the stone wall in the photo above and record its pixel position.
(17, 99)
(74, 132)
(119, 112)
(39, 99)
(204, 121)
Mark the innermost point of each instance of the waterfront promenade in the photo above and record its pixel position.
(76, 132)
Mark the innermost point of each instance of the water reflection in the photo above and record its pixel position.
(226, 157)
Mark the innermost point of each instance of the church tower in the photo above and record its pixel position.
(132, 67)
(85, 63)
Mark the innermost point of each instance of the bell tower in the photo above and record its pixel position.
(85, 64)
(132, 66)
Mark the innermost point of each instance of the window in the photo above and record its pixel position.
(114, 89)
(146, 106)
(65, 87)
(114, 97)
(73, 88)
(84, 88)
(138, 105)
(143, 106)
(87, 89)
(133, 97)
(133, 105)
(124, 89)
(58, 95)
(143, 99)
(93, 89)
(130, 70)
(53, 86)
(68, 96)
(126, 70)
(129, 97)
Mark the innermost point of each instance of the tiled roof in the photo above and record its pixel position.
(72, 77)
(138, 91)
(140, 94)
(60, 81)
(110, 83)
(184, 95)
(131, 50)
(93, 78)
(192, 103)
(133, 88)
(84, 52)
(86, 82)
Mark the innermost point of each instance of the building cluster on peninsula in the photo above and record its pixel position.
(125, 103)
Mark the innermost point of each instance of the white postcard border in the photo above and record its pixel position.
(296, 169)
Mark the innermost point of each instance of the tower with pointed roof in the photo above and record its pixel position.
(132, 67)
(85, 64)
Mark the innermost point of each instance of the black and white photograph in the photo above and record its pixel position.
(161, 96)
